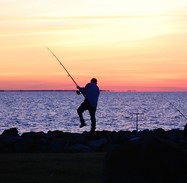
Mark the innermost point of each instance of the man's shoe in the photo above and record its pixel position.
(82, 125)
(92, 130)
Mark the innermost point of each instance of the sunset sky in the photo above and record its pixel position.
(127, 45)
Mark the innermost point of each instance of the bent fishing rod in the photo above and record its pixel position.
(78, 92)
(63, 66)
(175, 107)
(178, 110)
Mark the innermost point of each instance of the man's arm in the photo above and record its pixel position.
(84, 89)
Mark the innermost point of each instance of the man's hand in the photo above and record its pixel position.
(78, 92)
(78, 87)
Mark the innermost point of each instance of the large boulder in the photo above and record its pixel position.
(11, 132)
(144, 160)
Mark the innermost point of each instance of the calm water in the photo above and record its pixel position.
(44, 111)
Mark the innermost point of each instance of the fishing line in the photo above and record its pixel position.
(175, 107)
(62, 66)
(178, 110)
(78, 92)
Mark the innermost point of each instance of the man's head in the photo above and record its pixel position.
(93, 80)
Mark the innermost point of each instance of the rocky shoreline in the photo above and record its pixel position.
(155, 156)
(99, 141)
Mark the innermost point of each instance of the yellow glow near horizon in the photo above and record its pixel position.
(137, 45)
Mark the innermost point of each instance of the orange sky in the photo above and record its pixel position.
(125, 45)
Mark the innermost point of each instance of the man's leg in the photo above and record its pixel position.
(80, 111)
(92, 112)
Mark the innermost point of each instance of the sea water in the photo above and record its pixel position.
(126, 111)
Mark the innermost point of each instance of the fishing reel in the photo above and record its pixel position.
(78, 92)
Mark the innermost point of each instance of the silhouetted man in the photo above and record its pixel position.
(91, 93)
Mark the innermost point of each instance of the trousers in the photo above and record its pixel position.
(92, 110)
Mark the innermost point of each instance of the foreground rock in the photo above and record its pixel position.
(99, 141)
(155, 156)
(146, 159)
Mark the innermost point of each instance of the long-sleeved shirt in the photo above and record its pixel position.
(91, 92)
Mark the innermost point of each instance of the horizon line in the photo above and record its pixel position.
(74, 90)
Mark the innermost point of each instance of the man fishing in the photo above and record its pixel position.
(91, 93)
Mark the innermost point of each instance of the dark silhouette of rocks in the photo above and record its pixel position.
(99, 141)
(146, 159)
(155, 156)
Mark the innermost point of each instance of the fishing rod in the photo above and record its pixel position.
(63, 66)
(178, 110)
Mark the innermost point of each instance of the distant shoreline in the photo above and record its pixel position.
(127, 91)
(37, 90)
(45, 90)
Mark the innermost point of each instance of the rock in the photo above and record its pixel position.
(99, 141)
(11, 131)
(25, 145)
(110, 147)
(78, 148)
(58, 145)
(7, 143)
(145, 160)
(185, 130)
(79, 139)
(96, 145)
(159, 132)
(56, 133)
(34, 135)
